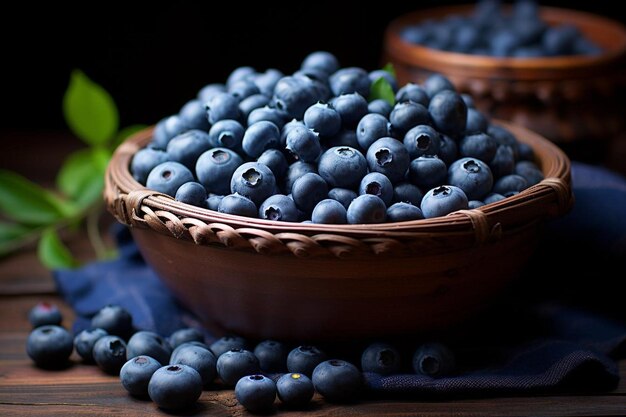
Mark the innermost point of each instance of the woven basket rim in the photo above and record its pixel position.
(132, 203)
(613, 41)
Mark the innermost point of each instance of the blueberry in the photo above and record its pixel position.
(560, 40)
(303, 359)
(186, 334)
(294, 95)
(406, 192)
(295, 171)
(144, 160)
(288, 127)
(187, 147)
(175, 387)
(389, 77)
(413, 92)
(380, 106)
(322, 118)
(471, 175)
(49, 346)
(272, 356)
(109, 353)
(279, 207)
(381, 358)
(351, 107)
(401, 212)
(209, 90)
(226, 133)
(199, 358)
(275, 160)
(371, 128)
(166, 129)
(503, 163)
(350, 80)
(448, 112)
(469, 101)
(234, 364)
(510, 183)
(416, 34)
(427, 172)
(255, 101)
(525, 152)
(260, 136)
(502, 136)
(422, 140)
(377, 184)
(213, 201)
(345, 137)
(295, 389)
(255, 393)
(322, 60)
(193, 115)
(318, 82)
(530, 171)
(168, 176)
(405, 116)
(503, 43)
(114, 319)
(304, 144)
(84, 342)
(433, 359)
(238, 205)
(476, 122)
(191, 193)
(223, 106)
(493, 198)
(240, 74)
(466, 38)
(367, 208)
(448, 149)
(343, 195)
(329, 211)
(342, 166)
(44, 313)
(443, 200)
(479, 145)
(226, 343)
(149, 344)
(436, 83)
(267, 80)
(136, 373)
(473, 204)
(337, 380)
(268, 114)
(243, 89)
(308, 190)
(216, 167)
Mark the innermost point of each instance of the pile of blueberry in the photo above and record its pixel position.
(173, 371)
(489, 30)
(310, 148)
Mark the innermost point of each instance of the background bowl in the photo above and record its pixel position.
(266, 279)
(578, 102)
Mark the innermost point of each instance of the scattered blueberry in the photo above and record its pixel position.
(174, 387)
(337, 380)
(85, 341)
(109, 353)
(114, 319)
(433, 359)
(295, 389)
(136, 373)
(45, 313)
(199, 358)
(381, 358)
(226, 343)
(149, 344)
(303, 359)
(255, 392)
(49, 346)
(184, 335)
(234, 364)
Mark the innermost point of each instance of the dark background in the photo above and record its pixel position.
(154, 58)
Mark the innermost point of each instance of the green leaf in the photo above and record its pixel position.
(390, 69)
(26, 202)
(12, 236)
(89, 110)
(52, 252)
(125, 133)
(381, 89)
(82, 175)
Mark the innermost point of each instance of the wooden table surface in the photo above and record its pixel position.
(81, 390)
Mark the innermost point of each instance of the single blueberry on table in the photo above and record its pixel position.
(322, 118)
(191, 193)
(337, 380)
(109, 353)
(472, 176)
(186, 334)
(226, 343)
(168, 176)
(144, 160)
(329, 211)
(199, 358)
(272, 356)
(381, 358)
(295, 389)
(115, 320)
(405, 192)
(193, 115)
(427, 172)
(44, 313)
(226, 133)
(84, 342)
(308, 190)
(49, 346)
(422, 140)
(216, 167)
(443, 200)
(377, 184)
(238, 205)
(367, 208)
(303, 359)
(234, 364)
(255, 393)
(280, 208)
(402, 212)
(253, 180)
(190, 343)
(150, 344)
(405, 116)
(175, 387)
(342, 166)
(136, 373)
(371, 128)
(434, 359)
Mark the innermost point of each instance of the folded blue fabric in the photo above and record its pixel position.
(543, 346)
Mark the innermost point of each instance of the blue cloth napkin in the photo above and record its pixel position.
(540, 343)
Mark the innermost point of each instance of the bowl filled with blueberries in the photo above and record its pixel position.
(535, 66)
(334, 203)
